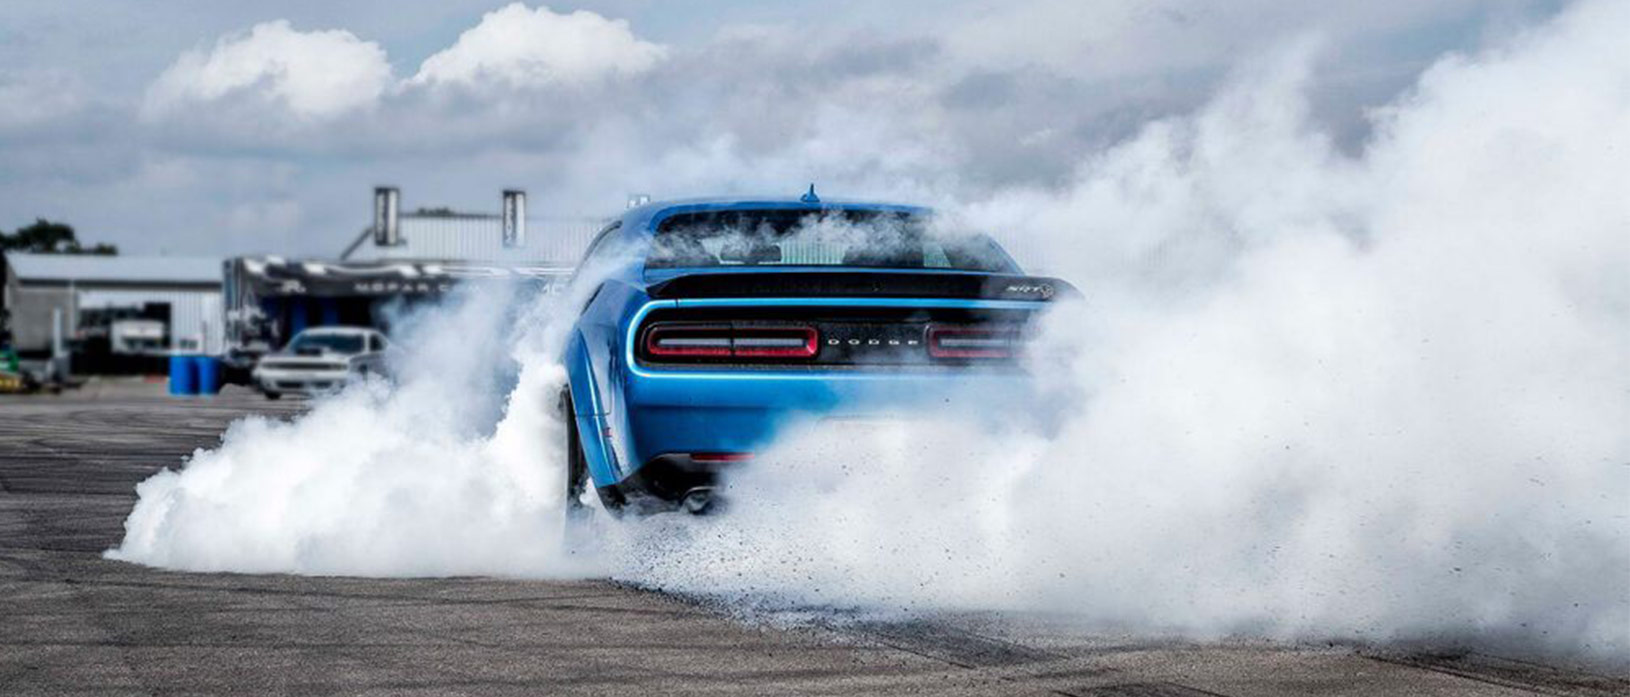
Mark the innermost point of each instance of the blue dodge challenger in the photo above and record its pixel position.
(714, 323)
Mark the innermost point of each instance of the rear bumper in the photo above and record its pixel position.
(669, 414)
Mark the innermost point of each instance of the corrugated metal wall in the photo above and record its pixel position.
(195, 315)
(471, 238)
(31, 315)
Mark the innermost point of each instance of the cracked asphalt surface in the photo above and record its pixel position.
(72, 623)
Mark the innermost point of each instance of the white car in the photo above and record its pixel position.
(321, 359)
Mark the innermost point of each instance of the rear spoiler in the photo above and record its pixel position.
(849, 284)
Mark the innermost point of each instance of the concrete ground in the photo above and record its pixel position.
(73, 623)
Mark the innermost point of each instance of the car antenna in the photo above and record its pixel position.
(810, 197)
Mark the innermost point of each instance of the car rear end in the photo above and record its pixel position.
(720, 364)
(750, 317)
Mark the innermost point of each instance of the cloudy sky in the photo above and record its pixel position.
(200, 127)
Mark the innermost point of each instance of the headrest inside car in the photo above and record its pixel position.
(899, 255)
(750, 252)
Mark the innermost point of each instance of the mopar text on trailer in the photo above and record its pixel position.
(321, 359)
(713, 323)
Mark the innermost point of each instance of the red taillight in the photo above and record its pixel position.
(718, 341)
(949, 341)
(775, 342)
(688, 341)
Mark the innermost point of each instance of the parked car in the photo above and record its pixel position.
(714, 322)
(321, 359)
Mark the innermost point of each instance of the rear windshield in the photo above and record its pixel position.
(870, 239)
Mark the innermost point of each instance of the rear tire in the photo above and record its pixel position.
(577, 477)
(577, 465)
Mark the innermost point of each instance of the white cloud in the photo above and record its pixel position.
(32, 97)
(314, 75)
(515, 47)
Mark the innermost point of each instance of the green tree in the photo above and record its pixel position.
(46, 237)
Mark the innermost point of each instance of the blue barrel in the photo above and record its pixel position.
(209, 374)
(183, 375)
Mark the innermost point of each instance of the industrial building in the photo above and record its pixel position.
(510, 237)
(137, 305)
(241, 308)
(401, 258)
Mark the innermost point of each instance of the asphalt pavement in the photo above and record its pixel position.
(72, 623)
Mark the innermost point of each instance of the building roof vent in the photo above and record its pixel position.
(514, 212)
(387, 221)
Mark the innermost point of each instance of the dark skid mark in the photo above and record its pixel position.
(955, 646)
(1507, 672)
(1140, 689)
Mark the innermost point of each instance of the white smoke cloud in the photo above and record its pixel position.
(314, 75)
(1312, 394)
(1113, 38)
(440, 474)
(517, 48)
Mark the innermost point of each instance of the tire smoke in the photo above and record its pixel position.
(439, 474)
(1312, 394)
(1382, 397)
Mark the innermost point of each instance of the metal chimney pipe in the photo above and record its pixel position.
(387, 225)
(514, 218)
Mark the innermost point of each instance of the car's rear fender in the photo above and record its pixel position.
(590, 414)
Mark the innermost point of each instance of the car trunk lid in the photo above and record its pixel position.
(848, 283)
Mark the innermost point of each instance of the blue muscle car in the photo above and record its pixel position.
(713, 323)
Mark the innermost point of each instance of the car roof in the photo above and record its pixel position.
(646, 217)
